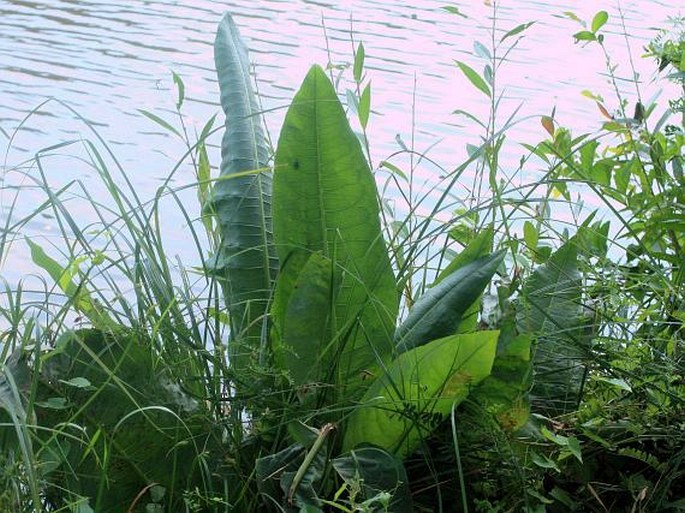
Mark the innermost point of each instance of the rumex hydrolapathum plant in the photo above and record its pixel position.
(334, 313)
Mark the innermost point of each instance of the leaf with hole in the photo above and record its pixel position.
(325, 201)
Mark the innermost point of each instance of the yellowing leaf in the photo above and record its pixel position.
(419, 390)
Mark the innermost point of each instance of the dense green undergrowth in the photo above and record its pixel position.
(333, 349)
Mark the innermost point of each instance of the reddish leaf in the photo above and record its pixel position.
(603, 110)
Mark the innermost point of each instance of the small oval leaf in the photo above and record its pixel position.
(481, 50)
(487, 73)
(77, 382)
(599, 20)
(584, 35)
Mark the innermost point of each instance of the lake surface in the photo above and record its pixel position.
(109, 59)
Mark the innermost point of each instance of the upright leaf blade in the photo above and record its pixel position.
(245, 262)
(358, 67)
(599, 20)
(325, 200)
(365, 106)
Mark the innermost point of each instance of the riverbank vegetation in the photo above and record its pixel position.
(337, 348)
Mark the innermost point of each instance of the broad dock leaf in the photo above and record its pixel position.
(505, 393)
(377, 471)
(325, 200)
(419, 390)
(147, 424)
(480, 246)
(302, 310)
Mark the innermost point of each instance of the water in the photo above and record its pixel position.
(109, 59)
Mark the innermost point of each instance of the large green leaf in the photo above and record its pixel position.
(419, 390)
(15, 431)
(245, 261)
(440, 310)
(269, 472)
(289, 477)
(480, 246)
(551, 311)
(325, 200)
(303, 309)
